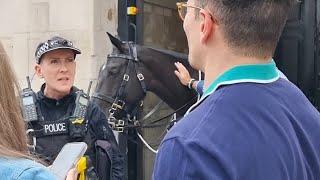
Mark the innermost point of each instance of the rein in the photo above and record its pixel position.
(152, 124)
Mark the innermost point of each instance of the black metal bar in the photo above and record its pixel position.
(139, 22)
(295, 54)
(139, 40)
(132, 147)
(122, 20)
(123, 35)
(131, 21)
(317, 57)
(127, 30)
(307, 79)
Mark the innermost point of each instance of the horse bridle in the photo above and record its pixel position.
(118, 103)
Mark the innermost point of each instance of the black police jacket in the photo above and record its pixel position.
(48, 147)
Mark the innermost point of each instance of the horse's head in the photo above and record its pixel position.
(131, 70)
(120, 83)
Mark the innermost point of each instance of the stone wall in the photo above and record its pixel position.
(26, 23)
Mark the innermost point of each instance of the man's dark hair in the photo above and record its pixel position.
(251, 27)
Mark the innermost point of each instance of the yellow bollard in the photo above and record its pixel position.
(81, 167)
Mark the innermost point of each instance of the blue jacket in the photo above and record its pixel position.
(249, 124)
(200, 84)
(12, 169)
(199, 87)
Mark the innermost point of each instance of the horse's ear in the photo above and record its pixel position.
(116, 42)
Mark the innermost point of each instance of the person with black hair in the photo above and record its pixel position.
(249, 123)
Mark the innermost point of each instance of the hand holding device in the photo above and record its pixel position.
(67, 158)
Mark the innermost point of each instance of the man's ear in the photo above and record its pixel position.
(206, 26)
(38, 71)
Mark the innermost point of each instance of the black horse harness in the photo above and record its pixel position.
(119, 106)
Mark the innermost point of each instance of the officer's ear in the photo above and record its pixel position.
(38, 70)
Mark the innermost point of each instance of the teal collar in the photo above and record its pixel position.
(255, 73)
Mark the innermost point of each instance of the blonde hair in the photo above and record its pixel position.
(13, 139)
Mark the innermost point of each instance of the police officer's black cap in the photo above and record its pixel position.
(54, 43)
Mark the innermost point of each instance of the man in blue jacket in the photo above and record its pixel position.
(249, 123)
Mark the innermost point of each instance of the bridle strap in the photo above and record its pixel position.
(154, 123)
(126, 77)
(103, 97)
(122, 56)
(140, 78)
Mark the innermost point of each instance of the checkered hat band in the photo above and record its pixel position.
(52, 45)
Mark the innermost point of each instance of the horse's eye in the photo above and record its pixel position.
(113, 70)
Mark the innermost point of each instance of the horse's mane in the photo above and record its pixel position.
(171, 53)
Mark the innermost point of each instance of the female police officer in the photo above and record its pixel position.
(56, 104)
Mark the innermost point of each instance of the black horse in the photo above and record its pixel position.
(129, 72)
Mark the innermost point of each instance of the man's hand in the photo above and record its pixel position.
(182, 73)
